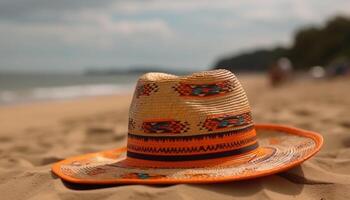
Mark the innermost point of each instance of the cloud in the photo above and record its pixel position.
(71, 33)
(82, 24)
(102, 33)
(24, 10)
(134, 7)
(247, 9)
(90, 28)
(268, 10)
(106, 23)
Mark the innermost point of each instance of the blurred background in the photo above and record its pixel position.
(291, 56)
(64, 49)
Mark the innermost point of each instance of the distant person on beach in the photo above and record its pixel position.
(317, 72)
(280, 72)
(339, 67)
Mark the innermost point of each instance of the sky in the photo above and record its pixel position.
(73, 35)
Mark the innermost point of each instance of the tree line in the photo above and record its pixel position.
(314, 45)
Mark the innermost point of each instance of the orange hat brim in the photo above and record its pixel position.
(281, 148)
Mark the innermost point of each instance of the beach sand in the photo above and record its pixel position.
(34, 136)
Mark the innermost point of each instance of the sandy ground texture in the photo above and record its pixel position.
(33, 137)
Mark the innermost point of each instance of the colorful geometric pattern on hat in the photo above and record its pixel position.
(195, 149)
(184, 147)
(142, 176)
(204, 90)
(145, 89)
(191, 157)
(217, 122)
(165, 126)
(192, 138)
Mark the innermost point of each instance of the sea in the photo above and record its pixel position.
(27, 88)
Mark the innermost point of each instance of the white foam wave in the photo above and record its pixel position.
(63, 92)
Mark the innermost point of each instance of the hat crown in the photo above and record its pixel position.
(165, 104)
(169, 110)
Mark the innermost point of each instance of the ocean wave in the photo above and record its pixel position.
(62, 92)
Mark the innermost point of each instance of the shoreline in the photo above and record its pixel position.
(46, 113)
(78, 98)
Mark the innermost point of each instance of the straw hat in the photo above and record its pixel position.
(192, 129)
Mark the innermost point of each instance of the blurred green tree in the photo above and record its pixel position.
(320, 46)
(311, 46)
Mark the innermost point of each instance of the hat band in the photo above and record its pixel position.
(200, 147)
(172, 158)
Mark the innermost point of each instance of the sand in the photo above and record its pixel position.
(34, 136)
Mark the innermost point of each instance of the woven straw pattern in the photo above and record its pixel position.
(167, 104)
(180, 108)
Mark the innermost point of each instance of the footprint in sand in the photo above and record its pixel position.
(346, 142)
(49, 160)
(345, 124)
(303, 112)
(5, 139)
(305, 125)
